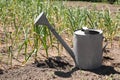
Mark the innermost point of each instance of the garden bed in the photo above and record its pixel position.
(62, 67)
(57, 68)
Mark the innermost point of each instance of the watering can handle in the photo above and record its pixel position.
(105, 44)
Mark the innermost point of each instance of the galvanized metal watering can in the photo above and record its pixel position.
(87, 45)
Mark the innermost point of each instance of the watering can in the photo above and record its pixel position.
(87, 44)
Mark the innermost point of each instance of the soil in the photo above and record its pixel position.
(92, 5)
(62, 67)
(58, 68)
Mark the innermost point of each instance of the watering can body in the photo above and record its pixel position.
(87, 49)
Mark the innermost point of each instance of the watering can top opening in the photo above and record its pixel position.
(88, 32)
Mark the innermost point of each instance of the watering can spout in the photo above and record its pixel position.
(42, 20)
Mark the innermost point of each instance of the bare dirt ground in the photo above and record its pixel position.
(59, 68)
(62, 67)
(91, 5)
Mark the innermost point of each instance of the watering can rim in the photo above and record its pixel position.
(81, 32)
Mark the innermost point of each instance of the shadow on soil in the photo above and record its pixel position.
(103, 70)
(54, 62)
(1, 71)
